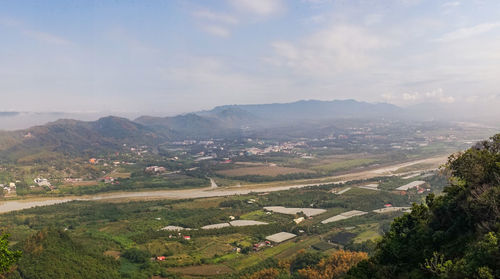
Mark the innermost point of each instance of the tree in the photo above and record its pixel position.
(454, 235)
(334, 266)
(7, 257)
(268, 273)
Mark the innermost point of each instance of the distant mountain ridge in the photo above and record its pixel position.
(315, 110)
(107, 134)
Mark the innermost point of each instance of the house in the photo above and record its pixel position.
(258, 246)
(187, 237)
(108, 179)
(155, 169)
(42, 182)
(161, 258)
(298, 220)
(387, 205)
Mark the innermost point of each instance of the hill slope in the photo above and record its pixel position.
(72, 137)
(456, 235)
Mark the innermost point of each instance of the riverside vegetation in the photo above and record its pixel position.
(449, 235)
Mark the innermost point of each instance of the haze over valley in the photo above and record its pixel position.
(253, 139)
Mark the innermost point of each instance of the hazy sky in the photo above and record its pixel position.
(166, 57)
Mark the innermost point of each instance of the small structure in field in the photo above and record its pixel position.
(235, 223)
(414, 184)
(411, 175)
(293, 210)
(242, 223)
(42, 182)
(280, 237)
(391, 209)
(340, 192)
(343, 216)
(372, 186)
(216, 226)
(155, 169)
(298, 220)
(174, 228)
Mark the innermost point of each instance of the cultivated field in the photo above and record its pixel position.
(262, 170)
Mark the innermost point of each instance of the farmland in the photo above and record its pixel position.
(261, 170)
(118, 228)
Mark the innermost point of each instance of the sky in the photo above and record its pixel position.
(169, 57)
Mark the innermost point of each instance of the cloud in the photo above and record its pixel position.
(46, 37)
(215, 17)
(34, 34)
(434, 96)
(216, 30)
(217, 24)
(259, 7)
(464, 33)
(451, 4)
(211, 80)
(338, 48)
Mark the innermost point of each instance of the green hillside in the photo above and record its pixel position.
(455, 235)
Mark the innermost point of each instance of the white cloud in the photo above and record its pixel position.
(46, 37)
(451, 4)
(433, 96)
(339, 48)
(259, 7)
(464, 33)
(211, 80)
(42, 36)
(373, 19)
(215, 17)
(216, 30)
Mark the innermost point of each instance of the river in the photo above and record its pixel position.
(13, 205)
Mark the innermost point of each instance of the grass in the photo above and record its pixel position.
(254, 215)
(262, 170)
(343, 165)
(367, 232)
(203, 270)
(300, 244)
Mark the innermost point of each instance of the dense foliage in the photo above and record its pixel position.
(308, 265)
(455, 235)
(53, 253)
(7, 256)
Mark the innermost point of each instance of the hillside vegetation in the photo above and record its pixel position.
(455, 235)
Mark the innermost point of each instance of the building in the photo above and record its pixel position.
(280, 237)
(155, 169)
(42, 182)
(108, 179)
(298, 220)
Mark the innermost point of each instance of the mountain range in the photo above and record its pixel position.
(300, 118)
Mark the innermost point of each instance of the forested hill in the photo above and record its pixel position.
(455, 235)
(73, 137)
